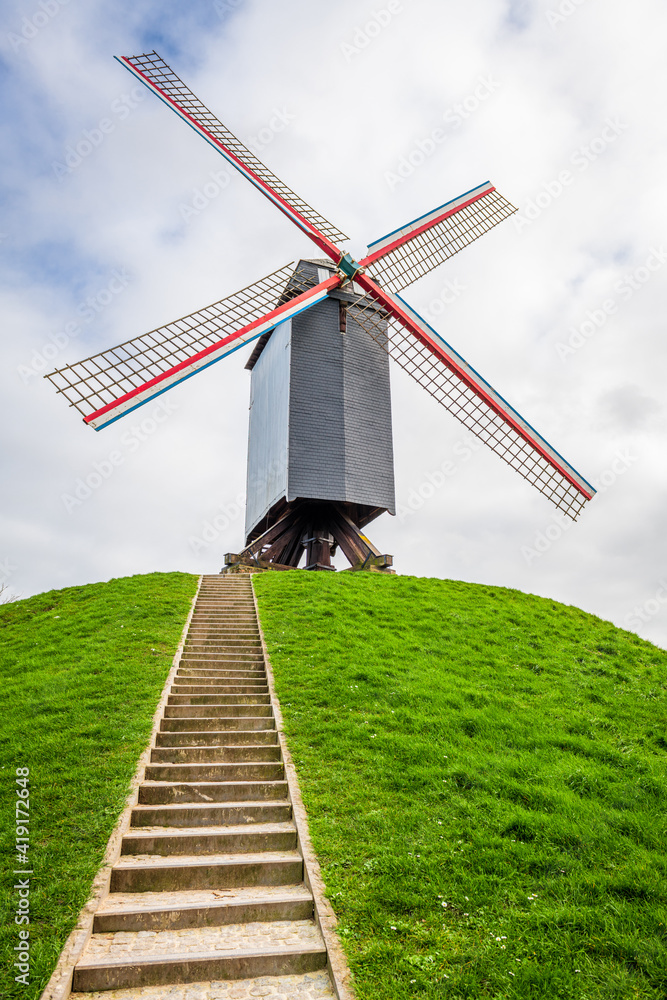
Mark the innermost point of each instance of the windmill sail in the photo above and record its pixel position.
(154, 73)
(109, 384)
(437, 367)
(401, 257)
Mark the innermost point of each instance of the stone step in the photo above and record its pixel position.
(242, 839)
(156, 911)
(236, 737)
(222, 650)
(308, 986)
(227, 639)
(216, 710)
(218, 688)
(206, 953)
(194, 814)
(227, 661)
(220, 698)
(225, 615)
(233, 604)
(253, 771)
(230, 639)
(215, 754)
(164, 793)
(217, 724)
(230, 620)
(213, 871)
(213, 674)
(233, 639)
(249, 668)
(223, 628)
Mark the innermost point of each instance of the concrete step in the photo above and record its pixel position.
(217, 724)
(225, 668)
(213, 871)
(195, 814)
(249, 674)
(229, 952)
(242, 839)
(157, 911)
(231, 737)
(223, 628)
(219, 698)
(226, 621)
(231, 639)
(253, 771)
(226, 661)
(226, 625)
(303, 987)
(217, 688)
(165, 793)
(226, 614)
(216, 710)
(249, 667)
(215, 754)
(233, 604)
(234, 647)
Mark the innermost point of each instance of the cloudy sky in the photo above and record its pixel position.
(116, 220)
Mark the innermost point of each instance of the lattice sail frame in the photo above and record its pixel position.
(151, 69)
(189, 344)
(402, 257)
(476, 414)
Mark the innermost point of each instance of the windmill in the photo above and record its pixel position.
(320, 465)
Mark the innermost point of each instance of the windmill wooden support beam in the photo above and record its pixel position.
(317, 528)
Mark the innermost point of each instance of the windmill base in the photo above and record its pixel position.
(317, 527)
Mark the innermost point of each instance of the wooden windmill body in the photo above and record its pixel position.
(320, 455)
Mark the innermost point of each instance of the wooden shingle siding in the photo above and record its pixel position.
(320, 416)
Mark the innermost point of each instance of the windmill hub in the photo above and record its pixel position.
(348, 268)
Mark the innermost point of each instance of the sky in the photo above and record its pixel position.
(117, 219)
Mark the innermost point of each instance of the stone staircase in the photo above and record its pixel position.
(207, 899)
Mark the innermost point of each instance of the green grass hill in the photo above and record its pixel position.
(485, 773)
(81, 673)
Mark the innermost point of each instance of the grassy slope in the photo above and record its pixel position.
(82, 670)
(486, 779)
